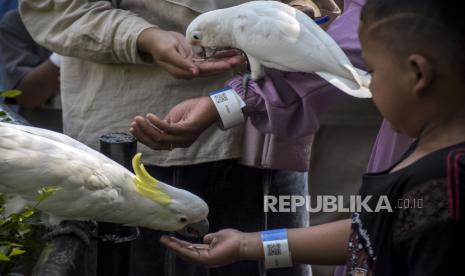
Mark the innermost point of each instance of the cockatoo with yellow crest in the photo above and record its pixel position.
(90, 186)
(275, 35)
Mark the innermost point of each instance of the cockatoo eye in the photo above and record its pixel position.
(196, 35)
(182, 219)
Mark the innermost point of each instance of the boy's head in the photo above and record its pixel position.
(416, 50)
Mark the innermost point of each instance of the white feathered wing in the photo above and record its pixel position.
(275, 35)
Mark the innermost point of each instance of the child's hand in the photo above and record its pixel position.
(220, 248)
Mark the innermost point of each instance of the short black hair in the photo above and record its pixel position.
(434, 28)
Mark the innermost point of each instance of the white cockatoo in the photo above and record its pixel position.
(275, 35)
(89, 184)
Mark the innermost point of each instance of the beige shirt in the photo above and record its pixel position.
(104, 82)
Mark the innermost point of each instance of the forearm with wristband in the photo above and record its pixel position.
(276, 248)
(229, 104)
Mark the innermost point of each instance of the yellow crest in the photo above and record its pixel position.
(146, 185)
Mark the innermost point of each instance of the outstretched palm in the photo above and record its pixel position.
(181, 126)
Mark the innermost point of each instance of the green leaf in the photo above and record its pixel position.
(8, 243)
(10, 93)
(27, 213)
(2, 113)
(4, 258)
(17, 234)
(45, 192)
(16, 251)
(23, 232)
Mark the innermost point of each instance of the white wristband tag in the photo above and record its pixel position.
(229, 106)
(55, 59)
(276, 248)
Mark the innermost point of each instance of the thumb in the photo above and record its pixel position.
(209, 238)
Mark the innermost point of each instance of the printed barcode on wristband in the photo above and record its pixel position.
(274, 249)
(219, 98)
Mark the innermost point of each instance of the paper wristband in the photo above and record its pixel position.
(55, 59)
(229, 105)
(276, 248)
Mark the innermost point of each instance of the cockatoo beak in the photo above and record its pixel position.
(195, 230)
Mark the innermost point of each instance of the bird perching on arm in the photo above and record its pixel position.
(90, 186)
(275, 35)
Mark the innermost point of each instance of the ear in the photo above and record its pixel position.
(423, 73)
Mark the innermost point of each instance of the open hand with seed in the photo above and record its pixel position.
(221, 248)
(209, 62)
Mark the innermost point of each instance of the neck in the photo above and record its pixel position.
(443, 133)
(436, 136)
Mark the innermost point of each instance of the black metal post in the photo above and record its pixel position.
(114, 248)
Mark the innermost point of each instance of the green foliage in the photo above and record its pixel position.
(4, 116)
(10, 93)
(18, 234)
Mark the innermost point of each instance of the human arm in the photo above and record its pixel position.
(96, 31)
(317, 8)
(285, 104)
(323, 244)
(288, 104)
(24, 64)
(38, 85)
(89, 30)
(283, 114)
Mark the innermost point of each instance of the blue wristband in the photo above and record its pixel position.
(322, 19)
(274, 235)
(276, 248)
